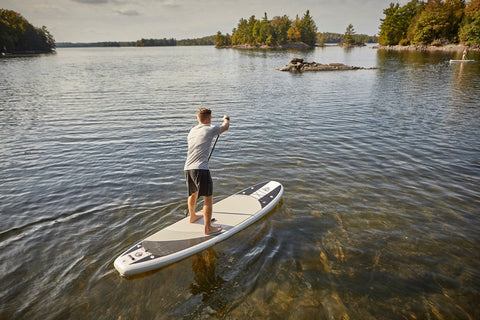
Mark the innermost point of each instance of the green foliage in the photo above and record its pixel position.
(264, 31)
(365, 38)
(439, 22)
(280, 26)
(470, 30)
(294, 32)
(329, 37)
(222, 40)
(278, 31)
(434, 22)
(394, 28)
(308, 29)
(431, 23)
(156, 42)
(348, 37)
(95, 44)
(470, 34)
(18, 35)
(204, 41)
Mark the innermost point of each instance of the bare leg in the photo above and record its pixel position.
(207, 215)
(192, 201)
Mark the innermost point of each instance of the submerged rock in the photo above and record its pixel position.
(298, 65)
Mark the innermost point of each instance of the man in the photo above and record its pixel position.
(197, 174)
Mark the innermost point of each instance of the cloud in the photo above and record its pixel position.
(127, 12)
(169, 3)
(91, 1)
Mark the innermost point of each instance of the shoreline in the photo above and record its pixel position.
(25, 54)
(447, 48)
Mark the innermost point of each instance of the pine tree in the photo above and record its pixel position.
(308, 29)
(348, 36)
(280, 26)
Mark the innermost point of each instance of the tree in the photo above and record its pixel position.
(264, 33)
(156, 42)
(389, 33)
(280, 26)
(321, 39)
(455, 11)
(394, 29)
(294, 33)
(278, 31)
(439, 22)
(251, 31)
(239, 35)
(469, 33)
(348, 36)
(222, 40)
(18, 35)
(308, 29)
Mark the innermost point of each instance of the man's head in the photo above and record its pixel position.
(204, 115)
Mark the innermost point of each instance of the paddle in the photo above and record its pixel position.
(213, 148)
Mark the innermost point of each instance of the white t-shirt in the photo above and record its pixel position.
(199, 142)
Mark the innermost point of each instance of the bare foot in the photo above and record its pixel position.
(212, 230)
(194, 218)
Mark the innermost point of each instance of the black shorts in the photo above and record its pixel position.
(199, 180)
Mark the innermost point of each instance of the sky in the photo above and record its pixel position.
(130, 20)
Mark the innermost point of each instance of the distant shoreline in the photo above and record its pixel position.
(448, 48)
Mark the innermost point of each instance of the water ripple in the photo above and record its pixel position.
(380, 168)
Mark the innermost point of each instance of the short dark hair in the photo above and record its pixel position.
(204, 114)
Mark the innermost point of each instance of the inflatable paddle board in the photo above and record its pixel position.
(462, 61)
(183, 239)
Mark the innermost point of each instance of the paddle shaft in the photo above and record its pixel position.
(213, 148)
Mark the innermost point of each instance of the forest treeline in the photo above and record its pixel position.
(322, 38)
(330, 37)
(432, 22)
(205, 41)
(281, 30)
(17, 35)
(275, 32)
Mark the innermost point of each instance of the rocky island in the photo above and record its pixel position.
(298, 65)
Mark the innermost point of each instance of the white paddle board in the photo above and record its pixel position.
(183, 239)
(462, 61)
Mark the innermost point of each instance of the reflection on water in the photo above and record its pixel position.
(380, 167)
(205, 288)
(206, 280)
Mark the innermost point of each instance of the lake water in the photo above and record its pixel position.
(380, 217)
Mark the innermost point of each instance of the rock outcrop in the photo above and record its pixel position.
(298, 65)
